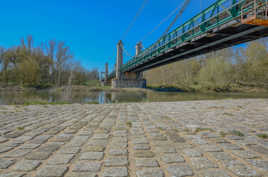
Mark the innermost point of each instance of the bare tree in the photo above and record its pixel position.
(62, 56)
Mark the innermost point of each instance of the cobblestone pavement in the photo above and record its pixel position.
(200, 138)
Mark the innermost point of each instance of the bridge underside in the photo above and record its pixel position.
(225, 36)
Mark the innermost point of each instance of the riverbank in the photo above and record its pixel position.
(161, 88)
(198, 89)
(206, 138)
(106, 95)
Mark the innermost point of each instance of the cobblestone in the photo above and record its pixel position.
(26, 165)
(175, 139)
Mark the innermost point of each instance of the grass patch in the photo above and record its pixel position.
(161, 129)
(223, 134)
(237, 133)
(228, 114)
(43, 103)
(94, 102)
(129, 124)
(203, 130)
(20, 128)
(262, 135)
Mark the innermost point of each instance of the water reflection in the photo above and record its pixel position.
(106, 97)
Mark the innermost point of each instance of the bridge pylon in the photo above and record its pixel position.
(127, 79)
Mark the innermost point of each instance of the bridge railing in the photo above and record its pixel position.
(219, 13)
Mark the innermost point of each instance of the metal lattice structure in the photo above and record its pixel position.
(225, 23)
(255, 13)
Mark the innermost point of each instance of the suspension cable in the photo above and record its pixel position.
(185, 4)
(126, 52)
(134, 19)
(162, 22)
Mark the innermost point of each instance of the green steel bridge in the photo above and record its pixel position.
(221, 25)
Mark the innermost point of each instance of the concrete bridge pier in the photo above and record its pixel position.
(129, 79)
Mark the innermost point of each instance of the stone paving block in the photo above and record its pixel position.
(26, 165)
(202, 163)
(36, 155)
(5, 163)
(141, 147)
(78, 141)
(214, 173)
(199, 141)
(150, 172)
(91, 156)
(192, 153)
(245, 154)
(172, 158)
(118, 152)
(98, 143)
(115, 161)
(119, 145)
(51, 171)
(259, 149)
(140, 162)
(120, 133)
(165, 149)
(119, 140)
(60, 159)
(3, 139)
(23, 138)
(179, 170)
(211, 148)
(94, 149)
(159, 138)
(242, 170)
(115, 172)
(17, 153)
(222, 156)
(13, 143)
(11, 174)
(144, 154)
(183, 146)
(81, 166)
(261, 164)
(174, 137)
(40, 139)
(229, 146)
(100, 136)
(14, 134)
(49, 147)
(81, 174)
(62, 138)
(140, 141)
(4, 148)
(69, 150)
(29, 146)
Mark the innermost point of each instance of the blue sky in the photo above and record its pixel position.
(91, 28)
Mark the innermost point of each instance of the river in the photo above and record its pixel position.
(106, 97)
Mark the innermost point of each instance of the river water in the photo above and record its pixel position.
(104, 97)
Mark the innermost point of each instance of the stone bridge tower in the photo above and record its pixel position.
(127, 79)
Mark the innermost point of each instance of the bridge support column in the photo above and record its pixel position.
(128, 79)
(106, 80)
(119, 60)
(138, 51)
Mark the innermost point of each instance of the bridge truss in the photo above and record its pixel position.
(223, 24)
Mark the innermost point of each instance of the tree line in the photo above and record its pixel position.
(224, 70)
(48, 64)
